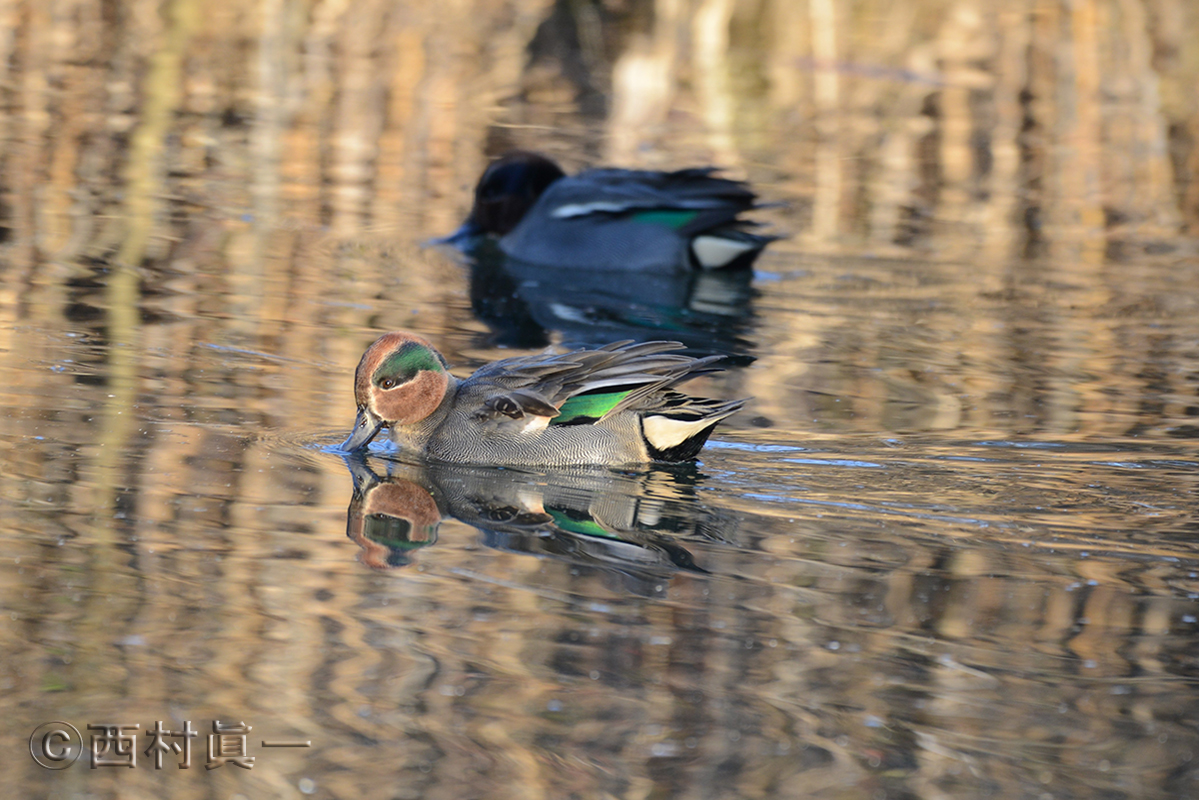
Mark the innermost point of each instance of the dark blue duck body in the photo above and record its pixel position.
(613, 219)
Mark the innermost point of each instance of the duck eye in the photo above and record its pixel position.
(388, 383)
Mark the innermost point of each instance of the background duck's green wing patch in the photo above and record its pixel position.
(670, 218)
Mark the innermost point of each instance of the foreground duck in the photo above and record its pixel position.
(610, 406)
(609, 219)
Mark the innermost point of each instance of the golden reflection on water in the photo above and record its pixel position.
(905, 630)
(948, 551)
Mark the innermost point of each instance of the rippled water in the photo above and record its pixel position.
(910, 568)
(947, 550)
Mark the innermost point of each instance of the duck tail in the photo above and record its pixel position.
(728, 248)
(678, 432)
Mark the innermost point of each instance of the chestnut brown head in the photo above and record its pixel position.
(400, 380)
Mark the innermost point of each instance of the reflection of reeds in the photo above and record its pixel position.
(900, 119)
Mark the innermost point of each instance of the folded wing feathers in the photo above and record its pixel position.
(540, 384)
(699, 366)
(534, 403)
(615, 191)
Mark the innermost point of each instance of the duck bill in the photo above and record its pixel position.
(366, 426)
(460, 238)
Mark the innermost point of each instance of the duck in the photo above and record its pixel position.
(611, 219)
(610, 406)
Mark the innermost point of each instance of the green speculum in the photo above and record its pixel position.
(669, 218)
(587, 407)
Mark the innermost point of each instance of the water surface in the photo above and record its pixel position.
(947, 550)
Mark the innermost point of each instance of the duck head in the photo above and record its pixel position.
(508, 189)
(400, 380)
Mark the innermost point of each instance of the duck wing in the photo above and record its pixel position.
(578, 387)
(624, 191)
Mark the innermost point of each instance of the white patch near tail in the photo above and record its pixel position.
(713, 252)
(663, 433)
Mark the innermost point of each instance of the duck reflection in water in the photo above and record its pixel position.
(709, 312)
(631, 527)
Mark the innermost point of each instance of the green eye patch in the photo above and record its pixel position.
(404, 364)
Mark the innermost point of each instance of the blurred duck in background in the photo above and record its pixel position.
(611, 219)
